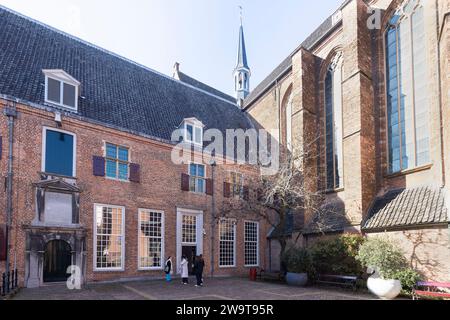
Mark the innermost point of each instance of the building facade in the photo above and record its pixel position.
(371, 85)
(86, 147)
(93, 181)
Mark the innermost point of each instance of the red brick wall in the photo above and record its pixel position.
(160, 189)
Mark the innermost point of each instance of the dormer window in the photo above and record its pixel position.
(61, 89)
(193, 131)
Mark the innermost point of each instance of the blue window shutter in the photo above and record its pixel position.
(59, 153)
(98, 166)
(135, 175)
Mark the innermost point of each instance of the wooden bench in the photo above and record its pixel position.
(431, 289)
(262, 274)
(347, 281)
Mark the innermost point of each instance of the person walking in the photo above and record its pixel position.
(199, 266)
(184, 270)
(168, 269)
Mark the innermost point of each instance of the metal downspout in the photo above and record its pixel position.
(10, 112)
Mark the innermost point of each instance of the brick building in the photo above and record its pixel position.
(378, 101)
(370, 86)
(93, 183)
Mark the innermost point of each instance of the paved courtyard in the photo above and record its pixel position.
(216, 289)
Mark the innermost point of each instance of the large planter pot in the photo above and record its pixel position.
(384, 289)
(297, 279)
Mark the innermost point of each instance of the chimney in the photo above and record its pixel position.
(176, 70)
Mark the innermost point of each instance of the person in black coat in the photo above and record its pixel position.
(199, 265)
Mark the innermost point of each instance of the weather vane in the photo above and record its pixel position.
(240, 9)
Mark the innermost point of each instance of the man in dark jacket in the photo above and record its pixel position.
(199, 265)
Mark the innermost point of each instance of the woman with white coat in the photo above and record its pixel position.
(184, 270)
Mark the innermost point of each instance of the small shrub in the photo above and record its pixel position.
(382, 255)
(338, 255)
(298, 260)
(408, 277)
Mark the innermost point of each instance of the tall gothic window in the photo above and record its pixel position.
(288, 124)
(407, 106)
(333, 124)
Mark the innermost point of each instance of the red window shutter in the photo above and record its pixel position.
(209, 187)
(3, 242)
(135, 173)
(226, 190)
(98, 166)
(185, 182)
(246, 193)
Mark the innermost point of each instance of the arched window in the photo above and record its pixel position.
(407, 106)
(333, 124)
(288, 124)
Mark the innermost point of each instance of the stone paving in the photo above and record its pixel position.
(214, 289)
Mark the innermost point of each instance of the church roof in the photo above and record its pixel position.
(286, 65)
(202, 86)
(115, 92)
(242, 52)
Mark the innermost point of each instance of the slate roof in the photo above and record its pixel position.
(200, 85)
(325, 28)
(294, 223)
(331, 217)
(115, 91)
(407, 207)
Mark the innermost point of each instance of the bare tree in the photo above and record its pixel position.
(293, 189)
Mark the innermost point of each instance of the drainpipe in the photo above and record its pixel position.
(11, 113)
(213, 217)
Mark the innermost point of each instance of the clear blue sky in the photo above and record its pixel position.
(201, 34)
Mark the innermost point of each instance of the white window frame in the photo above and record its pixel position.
(188, 214)
(122, 268)
(233, 222)
(257, 244)
(197, 177)
(105, 143)
(195, 125)
(163, 224)
(241, 195)
(44, 149)
(63, 78)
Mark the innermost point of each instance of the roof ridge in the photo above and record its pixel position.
(207, 85)
(94, 46)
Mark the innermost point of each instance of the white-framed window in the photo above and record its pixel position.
(251, 243)
(61, 89)
(59, 152)
(151, 239)
(197, 174)
(237, 184)
(117, 161)
(193, 131)
(189, 229)
(227, 243)
(109, 237)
